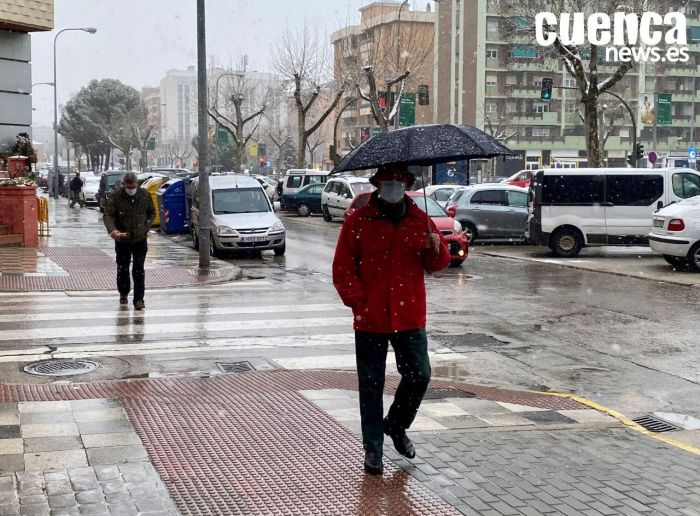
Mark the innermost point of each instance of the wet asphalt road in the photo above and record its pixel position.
(629, 343)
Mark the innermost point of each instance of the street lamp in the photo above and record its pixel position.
(56, 183)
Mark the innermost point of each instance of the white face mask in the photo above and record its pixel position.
(392, 191)
(130, 191)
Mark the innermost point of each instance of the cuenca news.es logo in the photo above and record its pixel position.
(626, 37)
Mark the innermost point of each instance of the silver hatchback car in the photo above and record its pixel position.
(492, 211)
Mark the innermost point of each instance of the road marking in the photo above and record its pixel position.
(139, 330)
(175, 312)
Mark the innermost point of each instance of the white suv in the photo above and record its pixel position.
(676, 233)
(339, 193)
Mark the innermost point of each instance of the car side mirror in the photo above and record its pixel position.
(659, 205)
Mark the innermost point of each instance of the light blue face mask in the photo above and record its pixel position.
(130, 191)
(392, 191)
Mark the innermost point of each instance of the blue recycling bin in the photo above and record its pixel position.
(172, 206)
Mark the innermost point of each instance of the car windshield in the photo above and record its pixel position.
(239, 200)
(113, 180)
(434, 209)
(359, 188)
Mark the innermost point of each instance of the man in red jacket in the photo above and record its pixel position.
(382, 253)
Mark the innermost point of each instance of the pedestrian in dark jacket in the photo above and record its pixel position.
(76, 186)
(128, 217)
(382, 253)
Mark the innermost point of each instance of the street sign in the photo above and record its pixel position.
(221, 136)
(692, 156)
(663, 109)
(253, 149)
(151, 144)
(407, 109)
(652, 157)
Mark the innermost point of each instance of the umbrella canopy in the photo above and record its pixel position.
(422, 145)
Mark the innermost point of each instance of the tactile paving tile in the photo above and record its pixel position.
(241, 444)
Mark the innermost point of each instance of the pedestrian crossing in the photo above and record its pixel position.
(293, 328)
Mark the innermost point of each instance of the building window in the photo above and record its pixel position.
(491, 107)
(570, 107)
(541, 107)
(570, 82)
(492, 26)
(540, 131)
(511, 79)
(492, 53)
(423, 95)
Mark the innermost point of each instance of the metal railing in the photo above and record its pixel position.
(42, 205)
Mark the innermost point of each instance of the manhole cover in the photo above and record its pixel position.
(440, 393)
(654, 424)
(236, 367)
(61, 367)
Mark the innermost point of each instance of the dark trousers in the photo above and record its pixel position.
(411, 349)
(124, 252)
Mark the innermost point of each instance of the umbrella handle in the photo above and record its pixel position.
(425, 199)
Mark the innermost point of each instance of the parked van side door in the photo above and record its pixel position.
(630, 201)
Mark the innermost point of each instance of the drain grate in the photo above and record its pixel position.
(61, 367)
(654, 424)
(236, 367)
(440, 393)
(204, 272)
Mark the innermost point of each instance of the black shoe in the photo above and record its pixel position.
(373, 463)
(402, 443)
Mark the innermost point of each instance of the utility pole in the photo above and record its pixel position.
(203, 137)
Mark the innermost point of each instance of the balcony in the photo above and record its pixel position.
(534, 119)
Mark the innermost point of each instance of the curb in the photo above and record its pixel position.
(626, 421)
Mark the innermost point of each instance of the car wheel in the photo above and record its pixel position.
(678, 262)
(566, 242)
(694, 258)
(470, 231)
(456, 263)
(195, 240)
(303, 210)
(279, 251)
(326, 215)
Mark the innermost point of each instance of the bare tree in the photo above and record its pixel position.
(301, 57)
(312, 144)
(498, 127)
(583, 63)
(142, 136)
(392, 56)
(237, 102)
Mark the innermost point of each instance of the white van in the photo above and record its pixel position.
(571, 208)
(297, 178)
(241, 216)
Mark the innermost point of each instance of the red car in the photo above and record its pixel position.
(521, 179)
(449, 227)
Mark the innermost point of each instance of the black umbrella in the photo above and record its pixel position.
(422, 145)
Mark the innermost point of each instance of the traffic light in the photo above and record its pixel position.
(639, 151)
(546, 93)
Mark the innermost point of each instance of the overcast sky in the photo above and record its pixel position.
(137, 41)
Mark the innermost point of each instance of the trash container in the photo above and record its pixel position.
(152, 185)
(172, 206)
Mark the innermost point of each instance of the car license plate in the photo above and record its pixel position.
(254, 238)
(658, 223)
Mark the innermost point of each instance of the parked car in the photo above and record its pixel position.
(269, 185)
(521, 179)
(571, 208)
(174, 172)
(42, 177)
(304, 202)
(91, 185)
(675, 233)
(457, 241)
(451, 229)
(145, 176)
(297, 178)
(441, 193)
(456, 195)
(492, 210)
(241, 216)
(339, 193)
(108, 180)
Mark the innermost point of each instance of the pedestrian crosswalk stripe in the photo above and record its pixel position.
(174, 312)
(151, 330)
(176, 346)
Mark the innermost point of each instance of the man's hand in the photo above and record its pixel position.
(117, 235)
(432, 242)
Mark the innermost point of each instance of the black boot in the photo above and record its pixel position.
(373, 462)
(402, 443)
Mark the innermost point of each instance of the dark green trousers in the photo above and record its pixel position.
(411, 349)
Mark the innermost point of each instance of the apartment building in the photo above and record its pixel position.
(488, 76)
(391, 38)
(18, 18)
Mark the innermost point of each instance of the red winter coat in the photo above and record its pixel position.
(378, 268)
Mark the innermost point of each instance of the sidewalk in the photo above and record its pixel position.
(286, 442)
(79, 255)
